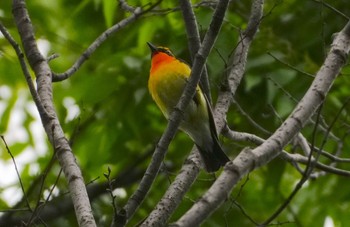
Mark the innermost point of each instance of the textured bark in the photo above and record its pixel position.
(49, 118)
(248, 159)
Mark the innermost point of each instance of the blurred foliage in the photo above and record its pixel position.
(106, 111)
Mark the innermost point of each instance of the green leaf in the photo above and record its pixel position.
(109, 8)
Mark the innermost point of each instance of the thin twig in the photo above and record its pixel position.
(290, 66)
(31, 189)
(292, 158)
(332, 8)
(285, 92)
(42, 206)
(100, 39)
(304, 160)
(17, 172)
(25, 70)
(326, 136)
(251, 120)
(125, 6)
(110, 191)
(309, 167)
(311, 161)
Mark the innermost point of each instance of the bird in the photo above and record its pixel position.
(167, 80)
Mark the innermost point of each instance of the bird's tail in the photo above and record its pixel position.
(212, 154)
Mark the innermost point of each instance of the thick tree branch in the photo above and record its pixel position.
(292, 158)
(238, 64)
(25, 70)
(176, 191)
(248, 159)
(49, 118)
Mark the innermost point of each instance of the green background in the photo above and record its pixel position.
(118, 124)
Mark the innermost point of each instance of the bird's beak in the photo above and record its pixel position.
(152, 47)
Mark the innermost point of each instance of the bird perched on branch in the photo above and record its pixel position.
(168, 78)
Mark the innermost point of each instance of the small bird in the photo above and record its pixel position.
(168, 78)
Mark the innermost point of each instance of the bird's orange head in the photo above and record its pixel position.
(160, 55)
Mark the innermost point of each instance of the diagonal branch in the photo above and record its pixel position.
(238, 64)
(194, 41)
(189, 172)
(49, 118)
(292, 158)
(18, 174)
(103, 37)
(176, 191)
(311, 164)
(248, 159)
(25, 69)
(176, 116)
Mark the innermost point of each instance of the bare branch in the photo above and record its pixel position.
(241, 136)
(250, 119)
(224, 101)
(103, 37)
(292, 158)
(194, 41)
(25, 70)
(306, 174)
(304, 160)
(333, 9)
(30, 190)
(290, 66)
(238, 62)
(51, 124)
(175, 193)
(62, 205)
(248, 159)
(174, 120)
(39, 205)
(311, 163)
(237, 65)
(125, 6)
(17, 172)
(110, 191)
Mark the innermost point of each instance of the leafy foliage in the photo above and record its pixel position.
(107, 113)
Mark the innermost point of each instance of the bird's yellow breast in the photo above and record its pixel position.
(167, 81)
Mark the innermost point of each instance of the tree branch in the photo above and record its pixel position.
(18, 174)
(62, 205)
(238, 64)
(25, 70)
(333, 9)
(103, 37)
(194, 41)
(249, 160)
(50, 120)
(172, 198)
(176, 191)
(176, 116)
